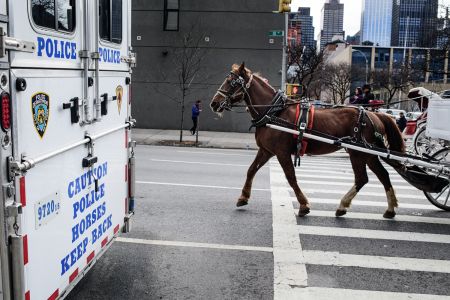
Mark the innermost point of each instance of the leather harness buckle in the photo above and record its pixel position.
(302, 126)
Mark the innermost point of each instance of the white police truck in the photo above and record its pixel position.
(66, 159)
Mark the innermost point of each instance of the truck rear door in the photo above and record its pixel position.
(70, 138)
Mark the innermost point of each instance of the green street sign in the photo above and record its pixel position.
(276, 33)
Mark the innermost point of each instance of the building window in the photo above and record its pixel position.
(54, 14)
(171, 15)
(110, 21)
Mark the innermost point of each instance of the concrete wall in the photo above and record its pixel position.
(237, 31)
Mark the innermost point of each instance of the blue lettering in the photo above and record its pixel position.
(70, 190)
(49, 48)
(76, 207)
(100, 52)
(57, 54)
(69, 260)
(41, 45)
(74, 50)
(77, 186)
(67, 50)
(75, 233)
(62, 49)
(105, 168)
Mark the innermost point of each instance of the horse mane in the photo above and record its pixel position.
(248, 72)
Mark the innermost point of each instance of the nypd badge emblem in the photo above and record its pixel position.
(40, 109)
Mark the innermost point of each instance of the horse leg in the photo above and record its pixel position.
(383, 175)
(359, 169)
(289, 171)
(261, 158)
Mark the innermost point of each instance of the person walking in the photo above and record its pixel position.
(358, 97)
(401, 122)
(196, 109)
(367, 94)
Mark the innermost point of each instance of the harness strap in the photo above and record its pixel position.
(278, 104)
(304, 117)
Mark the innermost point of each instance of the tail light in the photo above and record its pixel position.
(5, 111)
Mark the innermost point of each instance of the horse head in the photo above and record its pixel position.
(233, 89)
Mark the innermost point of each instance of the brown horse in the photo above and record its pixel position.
(243, 85)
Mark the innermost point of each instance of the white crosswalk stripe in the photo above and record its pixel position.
(324, 180)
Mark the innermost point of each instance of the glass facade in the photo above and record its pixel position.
(376, 22)
(415, 23)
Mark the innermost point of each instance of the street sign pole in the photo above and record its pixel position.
(283, 60)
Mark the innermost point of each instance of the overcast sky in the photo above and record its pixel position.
(352, 13)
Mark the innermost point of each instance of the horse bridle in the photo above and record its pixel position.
(238, 89)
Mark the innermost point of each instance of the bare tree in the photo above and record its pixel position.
(186, 67)
(337, 79)
(400, 78)
(307, 63)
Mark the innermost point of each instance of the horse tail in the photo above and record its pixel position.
(392, 133)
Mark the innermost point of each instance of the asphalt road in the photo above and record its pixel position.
(189, 241)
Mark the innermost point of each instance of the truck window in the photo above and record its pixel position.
(54, 14)
(111, 20)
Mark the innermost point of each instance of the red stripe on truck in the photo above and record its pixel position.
(27, 295)
(90, 257)
(104, 242)
(54, 296)
(116, 229)
(23, 195)
(73, 276)
(25, 249)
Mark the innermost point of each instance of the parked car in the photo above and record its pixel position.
(393, 112)
(413, 115)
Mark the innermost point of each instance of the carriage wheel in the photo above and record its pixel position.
(424, 144)
(442, 199)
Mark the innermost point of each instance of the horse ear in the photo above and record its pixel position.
(242, 68)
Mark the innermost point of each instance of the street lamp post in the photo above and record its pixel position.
(367, 62)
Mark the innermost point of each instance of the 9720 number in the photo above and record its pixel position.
(46, 210)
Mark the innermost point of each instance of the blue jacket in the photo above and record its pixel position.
(195, 111)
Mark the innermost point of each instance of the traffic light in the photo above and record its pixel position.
(284, 6)
(293, 90)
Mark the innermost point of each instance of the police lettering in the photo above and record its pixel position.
(88, 221)
(101, 229)
(79, 184)
(53, 48)
(88, 200)
(74, 255)
(109, 55)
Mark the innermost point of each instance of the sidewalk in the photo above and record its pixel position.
(206, 139)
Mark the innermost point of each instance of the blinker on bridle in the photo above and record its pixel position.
(238, 88)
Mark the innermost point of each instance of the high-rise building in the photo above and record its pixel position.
(414, 21)
(332, 22)
(301, 29)
(376, 22)
(307, 28)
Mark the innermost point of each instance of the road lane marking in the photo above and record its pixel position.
(350, 179)
(359, 202)
(194, 245)
(368, 185)
(375, 234)
(379, 217)
(202, 163)
(219, 153)
(289, 266)
(360, 193)
(326, 258)
(320, 293)
(198, 185)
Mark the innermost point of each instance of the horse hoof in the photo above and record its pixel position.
(241, 202)
(389, 214)
(303, 211)
(340, 212)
